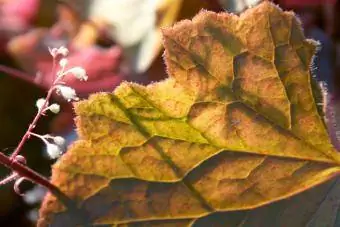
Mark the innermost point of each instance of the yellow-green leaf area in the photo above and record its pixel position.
(234, 127)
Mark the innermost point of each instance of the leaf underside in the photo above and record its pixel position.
(234, 127)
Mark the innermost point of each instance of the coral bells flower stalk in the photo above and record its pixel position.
(54, 144)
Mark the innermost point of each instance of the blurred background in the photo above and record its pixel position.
(114, 40)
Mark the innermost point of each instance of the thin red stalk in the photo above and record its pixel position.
(36, 118)
(53, 70)
(76, 212)
(24, 76)
(10, 178)
(35, 177)
(32, 125)
(22, 170)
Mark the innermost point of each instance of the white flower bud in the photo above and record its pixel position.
(54, 108)
(40, 102)
(53, 150)
(63, 51)
(68, 93)
(63, 62)
(56, 51)
(78, 72)
(58, 140)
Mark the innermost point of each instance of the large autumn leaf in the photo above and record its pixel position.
(235, 127)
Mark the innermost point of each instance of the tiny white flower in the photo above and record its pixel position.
(78, 72)
(63, 51)
(54, 108)
(63, 62)
(58, 140)
(53, 150)
(39, 103)
(67, 92)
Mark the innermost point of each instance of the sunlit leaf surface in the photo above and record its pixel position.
(234, 127)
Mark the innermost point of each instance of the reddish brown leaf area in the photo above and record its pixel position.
(235, 127)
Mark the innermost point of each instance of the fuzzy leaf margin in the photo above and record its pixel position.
(235, 127)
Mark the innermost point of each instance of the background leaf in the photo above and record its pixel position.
(235, 127)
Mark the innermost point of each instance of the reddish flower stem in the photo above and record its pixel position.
(35, 177)
(40, 112)
(77, 213)
(26, 77)
(32, 125)
(21, 169)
